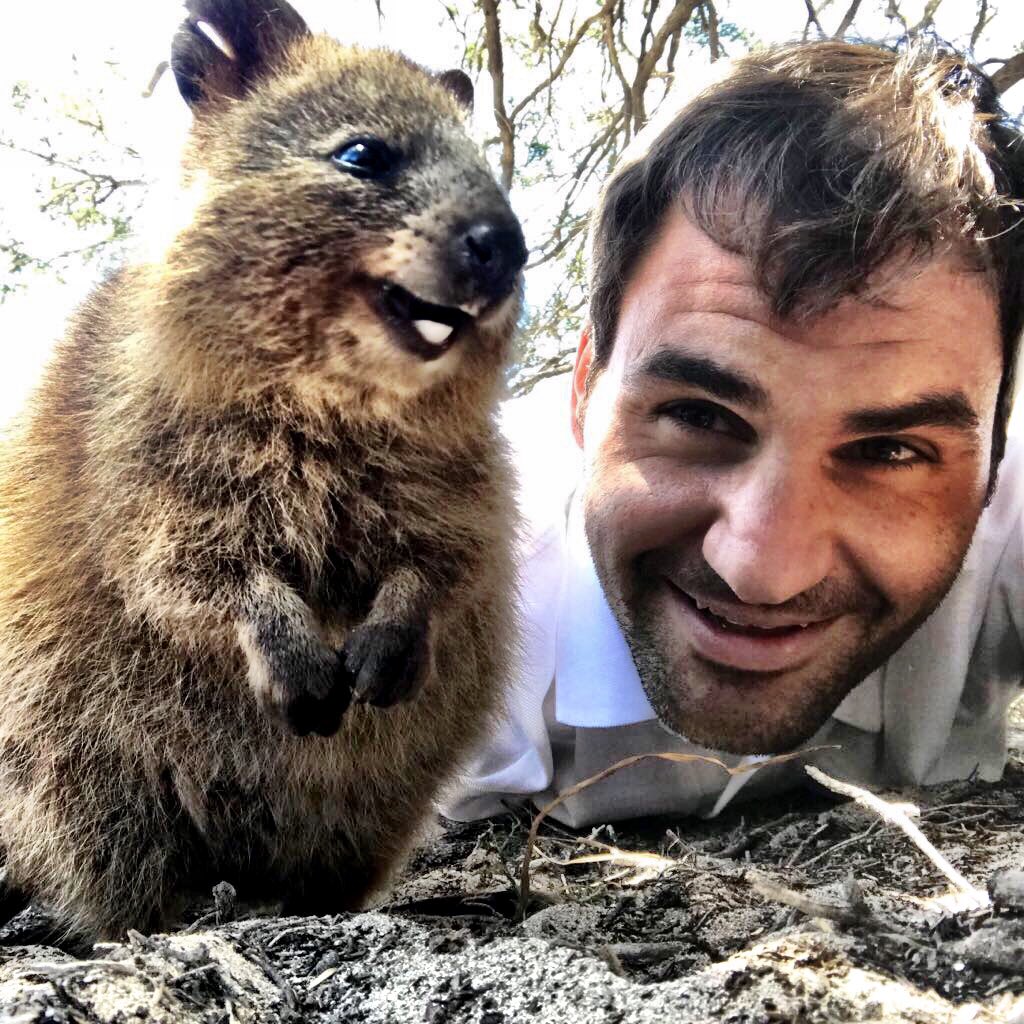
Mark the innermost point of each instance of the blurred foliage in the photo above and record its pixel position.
(79, 176)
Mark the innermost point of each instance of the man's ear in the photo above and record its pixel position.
(224, 47)
(580, 373)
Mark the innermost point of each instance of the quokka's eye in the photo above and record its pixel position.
(366, 158)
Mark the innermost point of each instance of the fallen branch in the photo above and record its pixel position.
(897, 815)
(66, 970)
(627, 762)
(853, 913)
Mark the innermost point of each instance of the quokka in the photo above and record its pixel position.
(256, 521)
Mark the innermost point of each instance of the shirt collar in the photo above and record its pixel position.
(596, 682)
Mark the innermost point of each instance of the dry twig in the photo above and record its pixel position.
(807, 842)
(852, 913)
(67, 970)
(627, 762)
(896, 815)
(853, 840)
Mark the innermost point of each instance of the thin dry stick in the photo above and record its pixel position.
(812, 908)
(631, 858)
(859, 838)
(79, 967)
(897, 816)
(807, 842)
(627, 762)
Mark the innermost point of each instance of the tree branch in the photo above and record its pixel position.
(451, 13)
(100, 177)
(553, 366)
(710, 17)
(844, 25)
(567, 52)
(927, 18)
(675, 20)
(648, 29)
(893, 12)
(979, 25)
(1009, 74)
(496, 67)
(812, 19)
(573, 232)
(613, 57)
(670, 60)
(21, 258)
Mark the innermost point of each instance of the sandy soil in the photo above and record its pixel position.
(806, 909)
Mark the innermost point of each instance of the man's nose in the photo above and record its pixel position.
(774, 536)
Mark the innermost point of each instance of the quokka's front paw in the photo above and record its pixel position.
(388, 661)
(310, 697)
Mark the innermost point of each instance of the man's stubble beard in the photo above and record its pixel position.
(884, 628)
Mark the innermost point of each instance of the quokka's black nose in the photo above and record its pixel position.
(489, 255)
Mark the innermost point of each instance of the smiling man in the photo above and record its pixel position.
(795, 519)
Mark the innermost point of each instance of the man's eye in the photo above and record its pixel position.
(706, 416)
(887, 452)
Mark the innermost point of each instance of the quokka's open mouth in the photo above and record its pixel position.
(422, 328)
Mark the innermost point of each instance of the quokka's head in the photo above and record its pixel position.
(343, 232)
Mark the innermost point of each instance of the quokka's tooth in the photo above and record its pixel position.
(433, 332)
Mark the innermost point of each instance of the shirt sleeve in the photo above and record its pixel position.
(996, 673)
(1001, 643)
(515, 759)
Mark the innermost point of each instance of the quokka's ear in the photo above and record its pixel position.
(459, 84)
(224, 47)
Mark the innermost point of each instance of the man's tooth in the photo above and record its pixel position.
(432, 331)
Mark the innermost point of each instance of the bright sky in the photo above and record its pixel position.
(44, 43)
(39, 38)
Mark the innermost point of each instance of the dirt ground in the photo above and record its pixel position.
(805, 909)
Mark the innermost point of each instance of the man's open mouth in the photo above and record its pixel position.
(729, 626)
(749, 619)
(422, 328)
(748, 639)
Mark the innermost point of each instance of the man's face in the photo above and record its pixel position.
(774, 507)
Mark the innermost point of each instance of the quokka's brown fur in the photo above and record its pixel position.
(229, 474)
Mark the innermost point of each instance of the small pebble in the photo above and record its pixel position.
(1007, 890)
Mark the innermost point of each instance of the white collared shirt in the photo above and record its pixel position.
(934, 711)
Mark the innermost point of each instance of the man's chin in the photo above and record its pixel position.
(730, 738)
(769, 697)
(740, 712)
(747, 727)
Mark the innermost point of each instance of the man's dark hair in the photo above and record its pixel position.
(821, 163)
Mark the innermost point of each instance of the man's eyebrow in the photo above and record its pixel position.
(932, 410)
(700, 372)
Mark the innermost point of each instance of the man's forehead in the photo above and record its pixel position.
(683, 258)
(686, 283)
